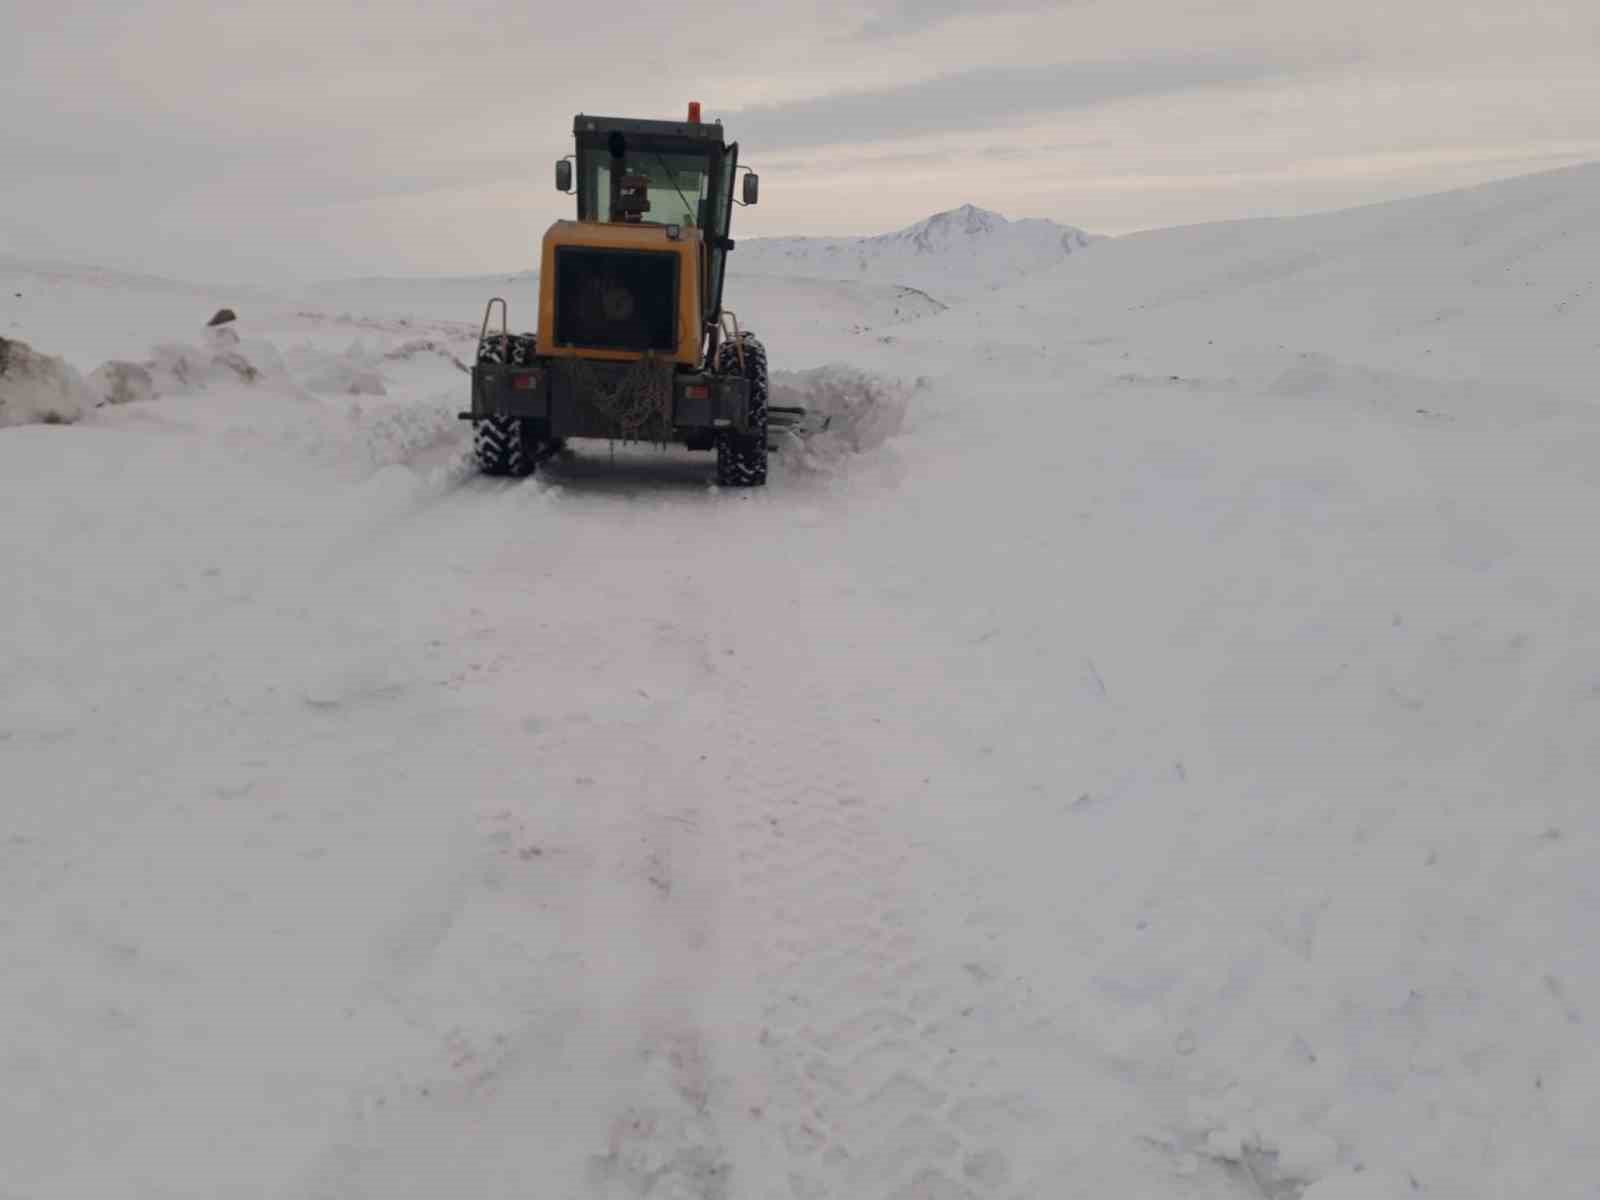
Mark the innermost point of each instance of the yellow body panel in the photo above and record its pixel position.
(616, 236)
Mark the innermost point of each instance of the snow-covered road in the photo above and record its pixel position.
(1165, 767)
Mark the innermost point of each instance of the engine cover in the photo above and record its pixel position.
(616, 291)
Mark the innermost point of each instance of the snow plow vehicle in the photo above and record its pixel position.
(633, 343)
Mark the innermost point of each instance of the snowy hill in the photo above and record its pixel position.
(88, 314)
(950, 255)
(1159, 761)
(442, 298)
(1494, 285)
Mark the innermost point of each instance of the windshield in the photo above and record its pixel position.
(676, 184)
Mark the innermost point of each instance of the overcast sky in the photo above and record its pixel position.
(301, 139)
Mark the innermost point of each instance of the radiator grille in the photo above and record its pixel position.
(616, 299)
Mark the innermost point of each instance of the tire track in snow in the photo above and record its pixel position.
(872, 1050)
(869, 1100)
(552, 979)
(906, 1050)
(667, 1143)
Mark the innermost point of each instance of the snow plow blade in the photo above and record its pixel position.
(788, 421)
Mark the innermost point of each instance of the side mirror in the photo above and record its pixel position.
(564, 175)
(752, 188)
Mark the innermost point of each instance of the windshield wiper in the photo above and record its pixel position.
(672, 178)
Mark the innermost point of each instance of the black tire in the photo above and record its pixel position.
(519, 348)
(742, 457)
(501, 444)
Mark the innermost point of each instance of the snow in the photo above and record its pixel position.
(1351, 1186)
(39, 388)
(848, 410)
(1146, 747)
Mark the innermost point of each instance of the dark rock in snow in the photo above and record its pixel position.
(223, 316)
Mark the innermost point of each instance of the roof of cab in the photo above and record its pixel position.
(585, 125)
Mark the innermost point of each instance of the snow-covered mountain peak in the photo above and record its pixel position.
(952, 254)
(968, 221)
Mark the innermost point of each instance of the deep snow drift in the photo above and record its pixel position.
(1155, 757)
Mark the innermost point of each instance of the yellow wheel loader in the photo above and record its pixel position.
(633, 343)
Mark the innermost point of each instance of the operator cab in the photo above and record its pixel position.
(675, 174)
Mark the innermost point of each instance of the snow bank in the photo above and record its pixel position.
(849, 410)
(405, 434)
(122, 383)
(414, 348)
(335, 406)
(222, 357)
(351, 374)
(38, 389)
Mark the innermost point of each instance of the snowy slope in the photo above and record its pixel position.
(1164, 768)
(87, 315)
(1489, 285)
(452, 298)
(951, 255)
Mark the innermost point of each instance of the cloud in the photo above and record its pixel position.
(1013, 152)
(903, 17)
(314, 137)
(988, 97)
